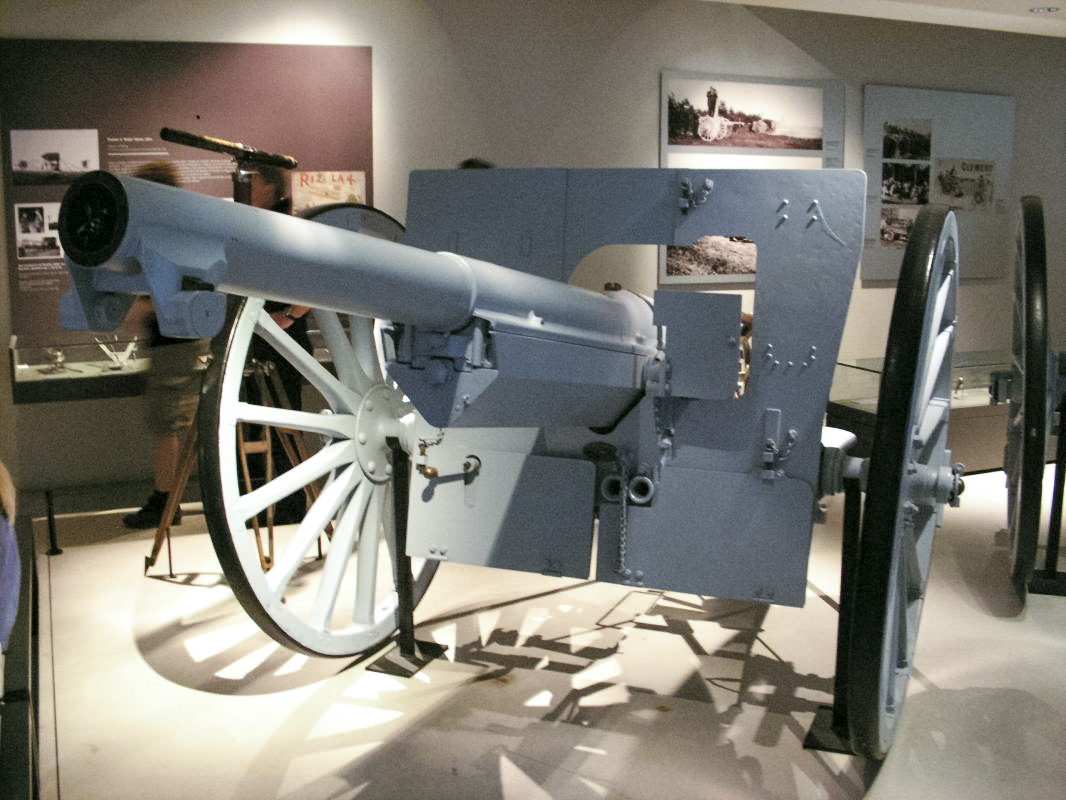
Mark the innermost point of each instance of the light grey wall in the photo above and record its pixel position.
(576, 84)
(1030, 69)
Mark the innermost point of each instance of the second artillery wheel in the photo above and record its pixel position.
(910, 478)
(330, 590)
(1027, 420)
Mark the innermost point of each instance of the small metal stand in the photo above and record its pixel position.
(185, 462)
(410, 655)
(829, 732)
(1049, 580)
(53, 540)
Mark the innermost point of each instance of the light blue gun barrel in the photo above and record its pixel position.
(128, 236)
(467, 324)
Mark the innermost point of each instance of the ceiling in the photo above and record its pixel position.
(994, 15)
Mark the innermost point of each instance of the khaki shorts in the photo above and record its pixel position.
(173, 387)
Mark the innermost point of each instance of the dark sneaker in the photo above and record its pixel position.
(151, 513)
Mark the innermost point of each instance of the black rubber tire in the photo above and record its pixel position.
(910, 477)
(1027, 419)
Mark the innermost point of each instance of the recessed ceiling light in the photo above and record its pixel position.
(1044, 10)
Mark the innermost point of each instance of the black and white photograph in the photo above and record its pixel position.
(896, 224)
(904, 183)
(705, 112)
(54, 156)
(965, 184)
(910, 140)
(36, 230)
(709, 257)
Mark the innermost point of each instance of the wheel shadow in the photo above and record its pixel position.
(201, 638)
(541, 706)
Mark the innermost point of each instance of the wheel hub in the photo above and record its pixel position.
(378, 418)
(936, 485)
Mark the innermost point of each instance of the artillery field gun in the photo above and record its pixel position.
(551, 428)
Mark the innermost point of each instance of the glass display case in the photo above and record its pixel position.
(106, 366)
(977, 426)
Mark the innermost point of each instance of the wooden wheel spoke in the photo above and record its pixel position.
(932, 421)
(350, 370)
(331, 457)
(937, 370)
(364, 346)
(341, 545)
(331, 425)
(367, 584)
(339, 396)
(912, 572)
(901, 614)
(311, 527)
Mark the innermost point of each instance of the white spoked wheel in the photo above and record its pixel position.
(1030, 404)
(330, 589)
(910, 479)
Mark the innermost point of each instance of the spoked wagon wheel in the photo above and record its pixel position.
(1027, 420)
(331, 588)
(910, 478)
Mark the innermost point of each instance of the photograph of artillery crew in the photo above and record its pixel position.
(910, 140)
(904, 183)
(740, 114)
(906, 147)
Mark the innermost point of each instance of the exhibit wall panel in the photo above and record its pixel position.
(73, 106)
(108, 103)
(551, 83)
(1025, 69)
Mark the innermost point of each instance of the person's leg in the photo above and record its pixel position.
(165, 450)
(171, 395)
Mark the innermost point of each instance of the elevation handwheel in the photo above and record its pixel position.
(331, 588)
(910, 479)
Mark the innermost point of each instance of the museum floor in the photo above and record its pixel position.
(161, 687)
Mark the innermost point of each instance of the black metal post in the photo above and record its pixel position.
(830, 730)
(1049, 580)
(53, 540)
(401, 476)
(411, 654)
